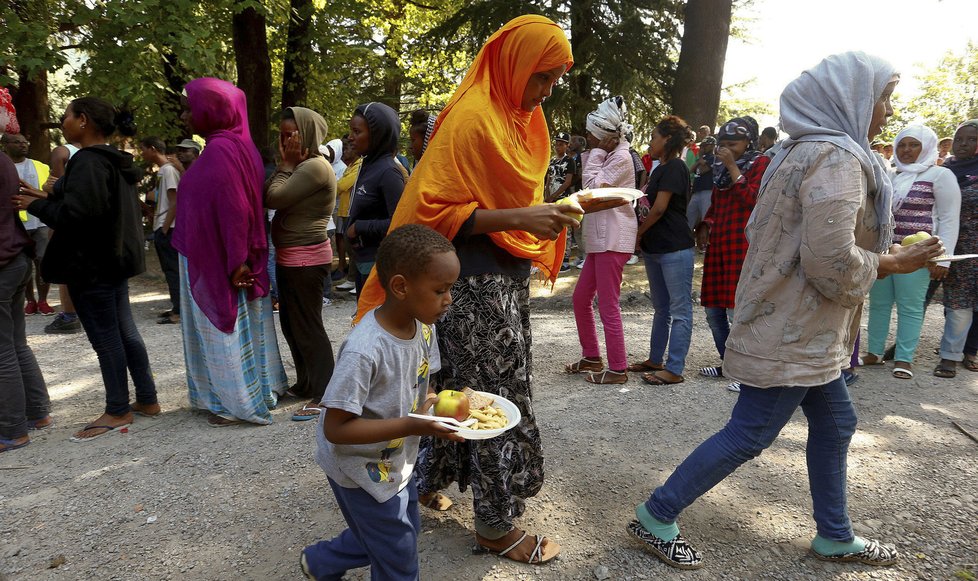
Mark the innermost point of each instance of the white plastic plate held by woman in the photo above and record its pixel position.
(608, 194)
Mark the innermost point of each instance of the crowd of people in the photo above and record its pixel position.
(794, 234)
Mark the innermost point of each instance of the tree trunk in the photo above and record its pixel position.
(254, 69)
(298, 49)
(393, 46)
(699, 73)
(31, 101)
(581, 81)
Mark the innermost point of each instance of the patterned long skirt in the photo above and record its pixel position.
(484, 342)
(237, 375)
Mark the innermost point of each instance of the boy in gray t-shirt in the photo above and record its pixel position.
(367, 446)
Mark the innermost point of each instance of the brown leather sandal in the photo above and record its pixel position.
(544, 551)
(607, 377)
(585, 365)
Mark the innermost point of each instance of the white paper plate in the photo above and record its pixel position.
(627, 194)
(954, 258)
(513, 417)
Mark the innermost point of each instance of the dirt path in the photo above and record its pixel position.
(175, 499)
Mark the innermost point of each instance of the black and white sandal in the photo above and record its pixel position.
(715, 371)
(875, 553)
(676, 553)
(734, 387)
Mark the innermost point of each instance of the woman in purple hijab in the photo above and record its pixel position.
(234, 370)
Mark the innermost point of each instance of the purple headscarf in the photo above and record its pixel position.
(220, 219)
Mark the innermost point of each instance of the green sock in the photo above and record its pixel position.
(828, 548)
(663, 531)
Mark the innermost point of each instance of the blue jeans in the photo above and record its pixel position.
(719, 319)
(106, 316)
(957, 324)
(671, 286)
(382, 535)
(755, 422)
(23, 394)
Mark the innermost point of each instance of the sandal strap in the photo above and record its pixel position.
(513, 546)
(537, 555)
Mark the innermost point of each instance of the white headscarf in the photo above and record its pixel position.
(338, 166)
(609, 119)
(833, 101)
(908, 172)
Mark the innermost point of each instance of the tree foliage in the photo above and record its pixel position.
(948, 96)
(330, 55)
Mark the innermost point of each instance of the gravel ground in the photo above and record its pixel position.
(176, 499)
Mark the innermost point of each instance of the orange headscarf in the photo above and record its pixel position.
(486, 152)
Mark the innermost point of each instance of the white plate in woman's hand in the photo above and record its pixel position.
(602, 194)
(954, 258)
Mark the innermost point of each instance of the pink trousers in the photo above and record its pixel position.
(601, 276)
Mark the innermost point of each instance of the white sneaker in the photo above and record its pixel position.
(580, 265)
(632, 260)
(346, 285)
(327, 302)
(353, 291)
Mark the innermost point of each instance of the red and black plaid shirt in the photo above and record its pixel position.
(728, 214)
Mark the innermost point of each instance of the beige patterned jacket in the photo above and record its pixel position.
(807, 271)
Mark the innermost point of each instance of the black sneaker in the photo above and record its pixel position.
(565, 267)
(63, 325)
(676, 553)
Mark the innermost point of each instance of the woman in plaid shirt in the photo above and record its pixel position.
(737, 172)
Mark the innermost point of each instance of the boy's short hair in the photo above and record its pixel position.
(408, 250)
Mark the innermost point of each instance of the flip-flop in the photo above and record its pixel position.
(970, 364)
(945, 371)
(878, 361)
(9, 445)
(902, 373)
(644, 366)
(108, 430)
(299, 417)
(654, 379)
(216, 421)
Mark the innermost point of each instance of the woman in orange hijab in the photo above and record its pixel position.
(480, 183)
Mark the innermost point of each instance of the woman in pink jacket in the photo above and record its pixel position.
(610, 236)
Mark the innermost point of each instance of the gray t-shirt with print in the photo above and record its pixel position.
(377, 376)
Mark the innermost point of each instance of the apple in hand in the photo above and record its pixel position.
(578, 213)
(915, 238)
(452, 404)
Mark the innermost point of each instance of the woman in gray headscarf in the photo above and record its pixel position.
(819, 237)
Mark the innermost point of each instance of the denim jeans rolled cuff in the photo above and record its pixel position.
(957, 324)
(106, 316)
(755, 422)
(671, 286)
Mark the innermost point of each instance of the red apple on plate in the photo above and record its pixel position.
(452, 404)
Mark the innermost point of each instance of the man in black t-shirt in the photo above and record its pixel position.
(563, 167)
